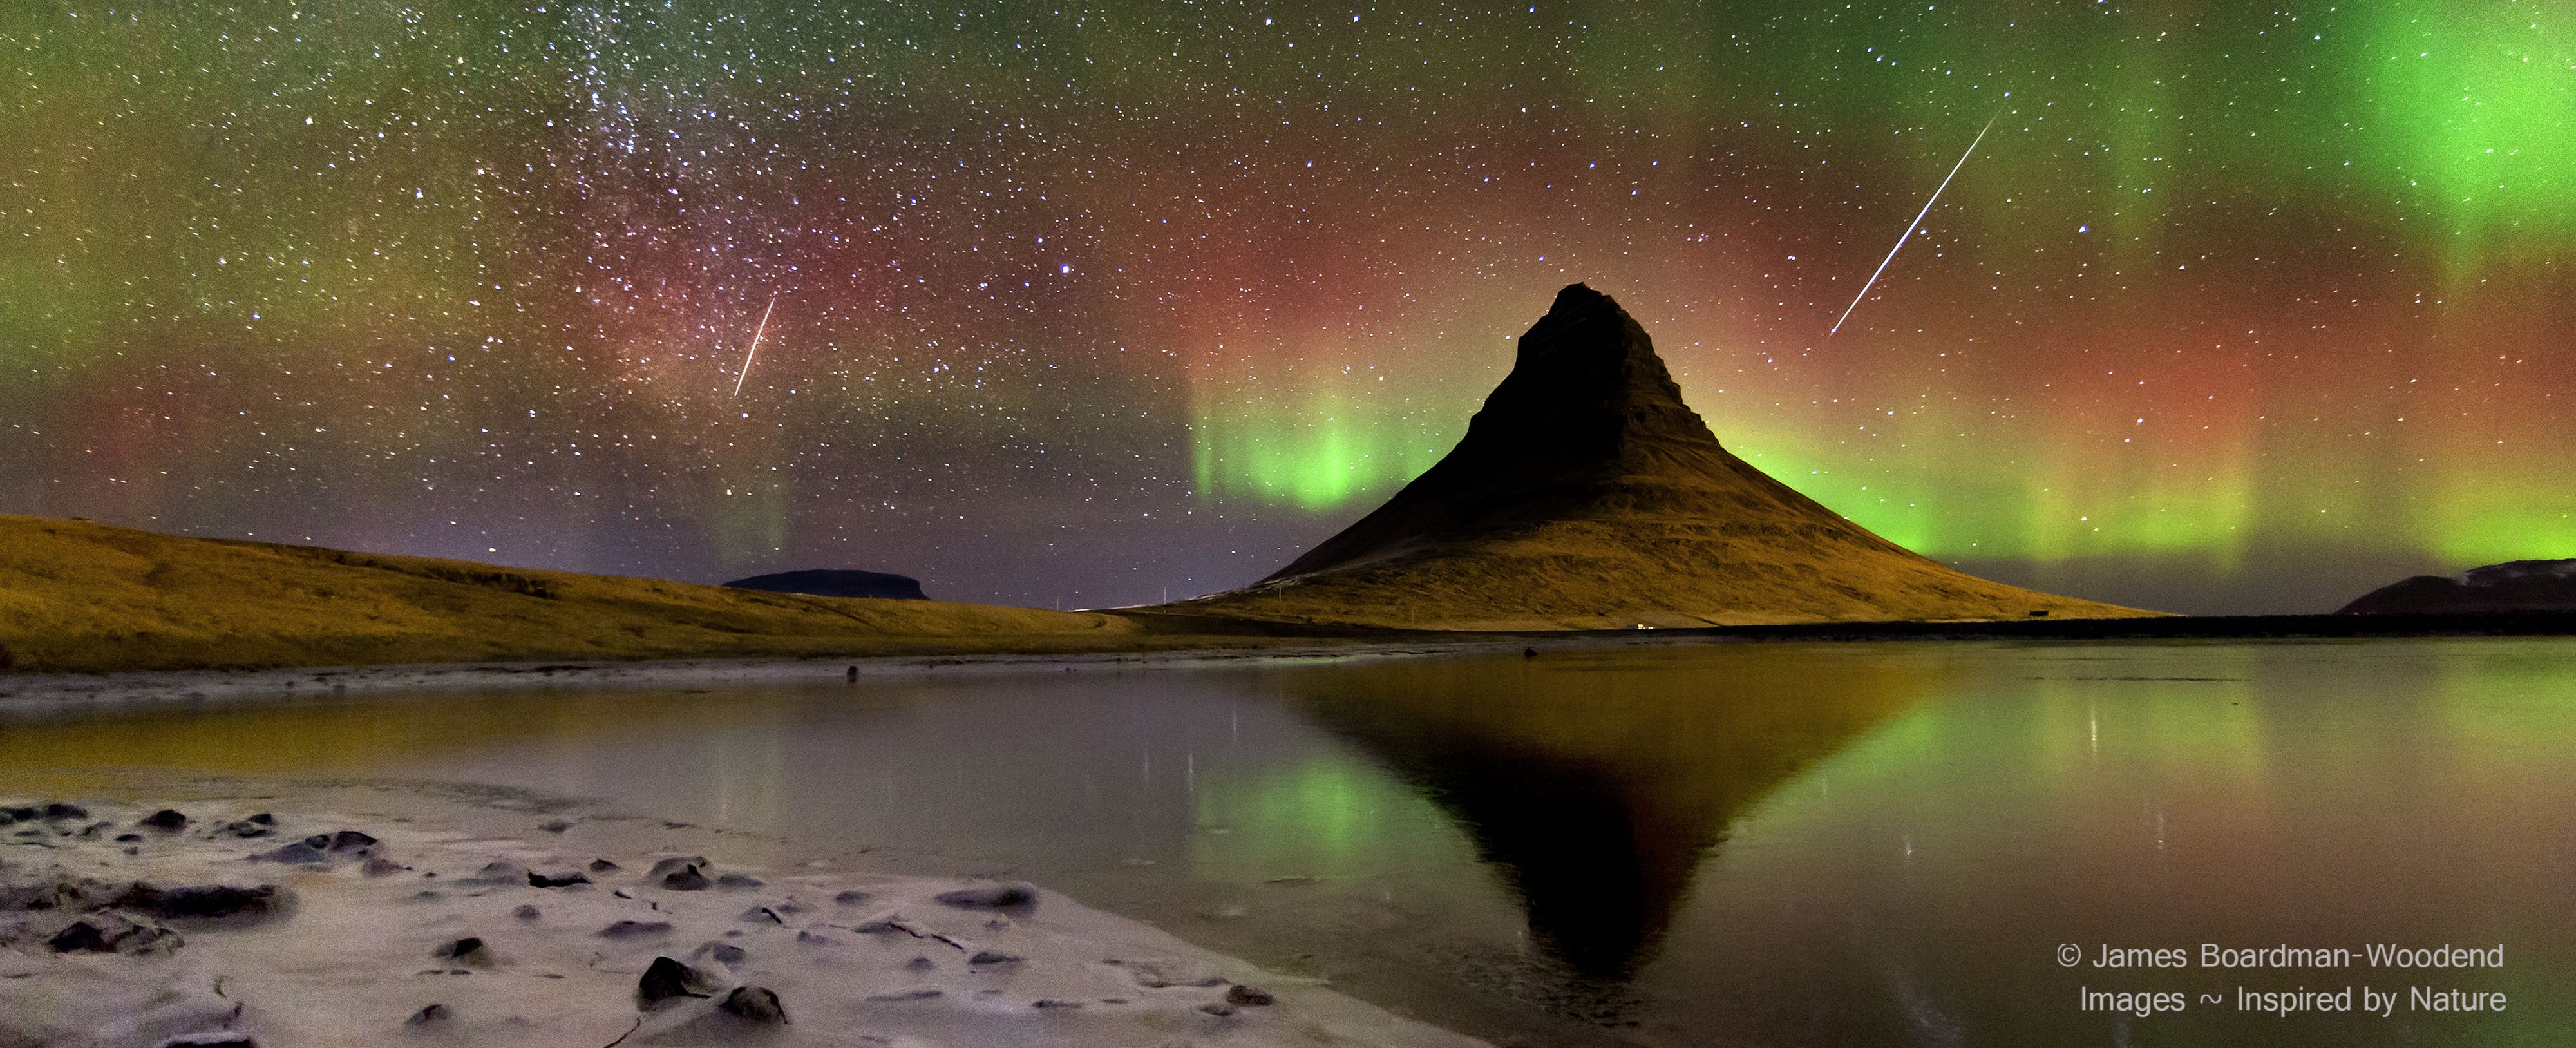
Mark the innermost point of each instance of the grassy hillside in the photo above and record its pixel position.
(82, 597)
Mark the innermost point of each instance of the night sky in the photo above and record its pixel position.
(2231, 310)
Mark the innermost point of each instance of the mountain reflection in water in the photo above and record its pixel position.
(1598, 784)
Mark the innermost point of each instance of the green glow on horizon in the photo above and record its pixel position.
(1331, 449)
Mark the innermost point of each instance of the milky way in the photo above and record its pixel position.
(1090, 304)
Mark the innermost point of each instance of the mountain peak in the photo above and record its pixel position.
(1585, 493)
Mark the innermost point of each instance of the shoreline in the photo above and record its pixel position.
(287, 914)
(23, 692)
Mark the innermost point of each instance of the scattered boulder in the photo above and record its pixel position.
(468, 950)
(763, 915)
(1011, 896)
(851, 898)
(723, 953)
(556, 880)
(666, 867)
(989, 955)
(739, 880)
(300, 853)
(260, 825)
(498, 873)
(602, 866)
(211, 1039)
(557, 826)
(343, 841)
(61, 810)
(169, 819)
(666, 979)
(1242, 996)
(203, 902)
(109, 931)
(756, 1003)
(635, 929)
(379, 866)
(685, 879)
(430, 1015)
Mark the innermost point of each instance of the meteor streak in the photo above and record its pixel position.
(755, 345)
(1918, 221)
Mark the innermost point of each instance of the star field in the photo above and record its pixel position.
(1093, 304)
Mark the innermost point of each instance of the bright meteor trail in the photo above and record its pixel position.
(755, 343)
(1918, 221)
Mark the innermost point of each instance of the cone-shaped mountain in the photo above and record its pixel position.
(1586, 494)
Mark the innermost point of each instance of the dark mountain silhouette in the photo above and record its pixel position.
(827, 583)
(1586, 494)
(1600, 796)
(2515, 585)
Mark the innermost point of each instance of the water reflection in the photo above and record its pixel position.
(1599, 782)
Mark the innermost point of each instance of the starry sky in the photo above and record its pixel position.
(2232, 309)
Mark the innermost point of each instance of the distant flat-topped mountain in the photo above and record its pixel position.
(2515, 585)
(1587, 495)
(881, 585)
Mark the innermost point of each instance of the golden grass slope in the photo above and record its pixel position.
(82, 597)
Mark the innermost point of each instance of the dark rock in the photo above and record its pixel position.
(992, 896)
(1049, 1002)
(666, 867)
(210, 1039)
(761, 914)
(165, 819)
(499, 873)
(527, 911)
(602, 866)
(739, 880)
(555, 880)
(1242, 996)
(756, 1003)
(635, 929)
(429, 1015)
(349, 841)
(247, 828)
(379, 866)
(1217, 1009)
(262, 819)
(1529, 653)
(873, 585)
(296, 854)
(557, 826)
(128, 838)
(19, 813)
(992, 956)
(666, 979)
(918, 964)
(720, 952)
(202, 902)
(685, 879)
(851, 898)
(108, 931)
(63, 810)
(468, 950)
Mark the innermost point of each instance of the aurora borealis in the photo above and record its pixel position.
(2233, 310)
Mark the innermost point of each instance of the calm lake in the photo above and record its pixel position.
(1789, 844)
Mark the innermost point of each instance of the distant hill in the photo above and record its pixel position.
(82, 597)
(1587, 495)
(877, 585)
(2515, 585)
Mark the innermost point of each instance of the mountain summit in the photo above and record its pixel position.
(1586, 494)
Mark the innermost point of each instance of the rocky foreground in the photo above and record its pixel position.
(222, 924)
